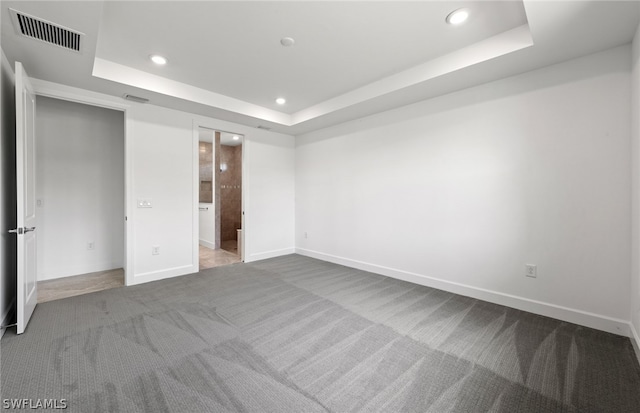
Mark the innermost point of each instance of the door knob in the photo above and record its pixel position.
(21, 230)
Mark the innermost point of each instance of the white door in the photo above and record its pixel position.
(26, 189)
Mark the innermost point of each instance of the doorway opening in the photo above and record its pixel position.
(220, 198)
(80, 198)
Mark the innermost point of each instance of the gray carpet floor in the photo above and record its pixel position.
(294, 334)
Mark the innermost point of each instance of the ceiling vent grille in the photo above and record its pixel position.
(136, 99)
(47, 32)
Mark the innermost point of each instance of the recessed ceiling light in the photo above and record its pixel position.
(457, 17)
(157, 59)
(287, 41)
(236, 137)
(281, 101)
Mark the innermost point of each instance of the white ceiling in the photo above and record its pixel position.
(233, 48)
(350, 59)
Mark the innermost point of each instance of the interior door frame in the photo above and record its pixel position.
(52, 90)
(208, 124)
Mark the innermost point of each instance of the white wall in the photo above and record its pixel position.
(164, 169)
(80, 182)
(635, 191)
(269, 195)
(7, 192)
(161, 156)
(461, 191)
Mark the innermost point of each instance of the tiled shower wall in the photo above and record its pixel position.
(206, 172)
(230, 192)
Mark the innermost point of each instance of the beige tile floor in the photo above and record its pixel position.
(79, 284)
(213, 258)
(88, 283)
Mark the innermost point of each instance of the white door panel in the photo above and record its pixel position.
(27, 297)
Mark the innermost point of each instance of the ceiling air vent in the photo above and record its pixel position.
(263, 127)
(46, 31)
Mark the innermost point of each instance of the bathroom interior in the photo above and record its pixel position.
(220, 193)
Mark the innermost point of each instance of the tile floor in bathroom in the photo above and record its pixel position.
(210, 258)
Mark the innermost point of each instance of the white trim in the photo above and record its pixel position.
(247, 244)
(129, 196)
(243, 195)
(5, 316)
(246, 132)
(583, 318)
(195, 188)
(270, 254)
(207, 244)
(635, 339)
(73, 94)
(165, 273)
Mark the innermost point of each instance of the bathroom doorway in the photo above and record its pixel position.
(220, 198)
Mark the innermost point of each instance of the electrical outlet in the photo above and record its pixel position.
(306, 235)
(155, 250)
(531, 270)
(39, 203)
(91, 245)
(145, 203)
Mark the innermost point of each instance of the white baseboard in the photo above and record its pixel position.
(635, 340)
(207, 244)
(583, 318)
(4, 320)
(257, 256)
(62, 272)
(162, 274)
